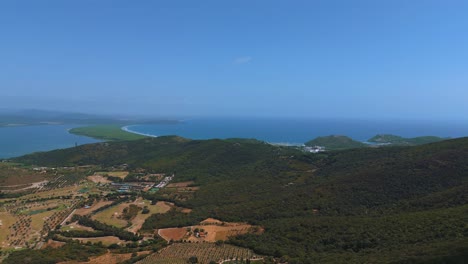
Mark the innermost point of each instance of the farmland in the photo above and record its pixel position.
(205, 253)
(209, 230)
(114, 215)
(83, 205)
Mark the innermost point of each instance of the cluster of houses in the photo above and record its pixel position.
(165, 181)
(131, 186)
(314, 149)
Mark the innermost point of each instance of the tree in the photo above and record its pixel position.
(193, 259)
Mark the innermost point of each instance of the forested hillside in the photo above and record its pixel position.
(390, 205)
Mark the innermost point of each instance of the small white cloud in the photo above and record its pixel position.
(242, 60)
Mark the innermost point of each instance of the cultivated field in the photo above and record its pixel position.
(175, 234)
(205, 252)
(209, 230)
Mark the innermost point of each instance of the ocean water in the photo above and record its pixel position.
(20, 140)
(17, 141)
(298, 131)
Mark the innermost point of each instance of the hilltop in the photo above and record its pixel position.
(386, 205)
(335, 142)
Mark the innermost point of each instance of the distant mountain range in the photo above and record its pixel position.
(47, 117)
(397, 140)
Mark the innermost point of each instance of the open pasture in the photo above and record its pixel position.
(111, 215)
(158, 208)
(95, 206)
(106, 240)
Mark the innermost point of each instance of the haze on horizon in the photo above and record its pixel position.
(347, 59)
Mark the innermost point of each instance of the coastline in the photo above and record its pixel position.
(127, 129)
(106, 132)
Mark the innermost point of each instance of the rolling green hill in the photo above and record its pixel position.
(362, 205)
(335, 142)
(397, 140)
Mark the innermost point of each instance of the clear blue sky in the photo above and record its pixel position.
(352, 59)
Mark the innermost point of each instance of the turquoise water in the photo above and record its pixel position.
(20, 140)
(298, 131)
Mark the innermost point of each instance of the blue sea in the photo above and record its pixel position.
(20, 140)
(298, 131)
(16, 141)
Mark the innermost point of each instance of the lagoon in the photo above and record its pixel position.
(21, 140)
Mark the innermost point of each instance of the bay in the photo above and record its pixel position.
(298, 131)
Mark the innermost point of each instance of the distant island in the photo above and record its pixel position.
(35, 117)
(397, 140)
(338, 142)
(335, 142)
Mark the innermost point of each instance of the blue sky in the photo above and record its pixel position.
(347, 59)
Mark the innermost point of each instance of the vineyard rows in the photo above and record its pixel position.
(205, 252)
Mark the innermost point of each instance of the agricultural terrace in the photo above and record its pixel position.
(205, 253)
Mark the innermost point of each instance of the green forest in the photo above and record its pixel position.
(395, 204)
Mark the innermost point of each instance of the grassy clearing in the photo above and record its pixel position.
(39, 219)
(14, 175)
(69, 190)
(106, 240)
(120, 174)
(109, 216)
(158, 208)
(105, 132)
